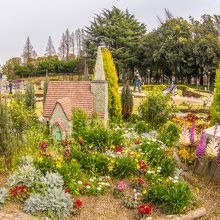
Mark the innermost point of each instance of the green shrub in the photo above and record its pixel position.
(98, 137)
(29, 98)
(92, 162)
(154, 153)
(153, 87)
(142, 127)
(182, 87)
(123, 167)
(117, 137)
(155, 109)
(70, 170)
(169, 133)
(45, 164)
(126, 101)
(79, 122)
(172, 197)
(167, 167)
(215, 107)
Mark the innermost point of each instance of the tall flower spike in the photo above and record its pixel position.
(200, 150)
(184, 138)
(192, 134)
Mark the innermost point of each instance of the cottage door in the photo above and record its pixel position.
(58, 133)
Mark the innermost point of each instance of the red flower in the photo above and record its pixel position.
(43, 145)
(140, 181)
(77, 204)
(67, 191)
(144, 209)
(119, 149)
(143, 165)
(67, 152)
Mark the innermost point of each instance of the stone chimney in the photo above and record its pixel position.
(99, 87)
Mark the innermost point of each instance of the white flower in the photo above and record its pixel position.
(107, 184)
(91, 180)
(88, 187)
(102, 183)
(99, 188)
(176, 178)
(175, 181)
(79, 182)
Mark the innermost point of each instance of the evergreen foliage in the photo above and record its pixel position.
(30, 100)
(155, 109)
(6, 135)
(114, 99)
(215, 107)
(126, 101)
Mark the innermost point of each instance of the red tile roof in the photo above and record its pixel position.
(69, 94)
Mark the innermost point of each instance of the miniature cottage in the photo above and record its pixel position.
(63, 96)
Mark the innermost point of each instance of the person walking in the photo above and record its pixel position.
(137, 81)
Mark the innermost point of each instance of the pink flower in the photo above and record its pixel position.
(119, 149)
(121, 185)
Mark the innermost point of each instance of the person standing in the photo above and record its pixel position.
(10, 87)
(137, 81)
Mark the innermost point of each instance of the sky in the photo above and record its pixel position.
(40, 19)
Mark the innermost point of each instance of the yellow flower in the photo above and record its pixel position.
(138, 167)
(144, 191)
(110, 168)
(40, 159)
(58, 165)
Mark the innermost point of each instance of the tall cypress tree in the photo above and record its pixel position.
(215, 107)
(126, 101)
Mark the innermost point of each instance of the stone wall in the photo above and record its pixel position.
(100, 102)
(59, 114)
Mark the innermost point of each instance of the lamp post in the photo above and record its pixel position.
(209, 73)
(148, 76)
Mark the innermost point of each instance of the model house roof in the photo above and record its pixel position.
(69, 95)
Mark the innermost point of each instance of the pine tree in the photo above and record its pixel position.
(215, 107)
(67, 44)
(62, 48)
(29, 53)
(126, 101)
(73, 43)
(50, 50)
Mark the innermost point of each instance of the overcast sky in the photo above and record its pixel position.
(41, 18)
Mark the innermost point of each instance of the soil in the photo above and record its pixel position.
(108, 208)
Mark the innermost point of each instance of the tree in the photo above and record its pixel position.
(29, 53)
(67, 44)
(120, 32)
(215, 107)
(50, 50)
(9, 68)
(62, 47)
(126, 101)
(114, 99)
(72, 41)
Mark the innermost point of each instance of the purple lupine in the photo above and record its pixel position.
(200, 150)
(192, 134)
